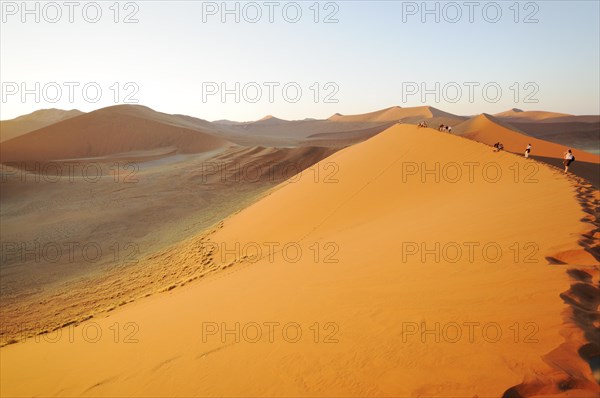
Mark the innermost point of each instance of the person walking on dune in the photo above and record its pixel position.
(568, 159)
(527, 151)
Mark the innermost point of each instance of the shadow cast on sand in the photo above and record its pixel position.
(589, 171)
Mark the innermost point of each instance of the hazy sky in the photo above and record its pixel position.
(312, 59)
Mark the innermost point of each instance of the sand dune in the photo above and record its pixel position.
(581, 132)
(346, 137)
(188, 122)
(145, 207)
(520, 116)
(489, 130)
(355, 283)
(110, 131)
(395, 113)
(533, 116)
(33, 121)
(580, 135)
(271, 119)
(574, 119)
(343, 130)
(277, 132)
(336, 132)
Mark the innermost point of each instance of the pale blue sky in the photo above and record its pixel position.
(370, 54)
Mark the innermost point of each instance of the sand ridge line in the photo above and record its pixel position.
(140, 286)
(242, 260)
(69, 302)
(352, 196)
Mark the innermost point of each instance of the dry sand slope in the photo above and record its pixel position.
(580, 135)
(124, 218)
(581, 132)
(110, 131)
(354, 283)
(519, 116)
(489, 130)
(33, 121)
(396, 113)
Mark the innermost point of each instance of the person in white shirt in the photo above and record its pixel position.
(568, 159)
(527, 150)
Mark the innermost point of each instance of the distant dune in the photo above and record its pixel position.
(354, 133)
(489, 130)
(33, 121)
(271, 131)
(352, 311)
(395, 114)
(226, 122)
(177, 120)
(143, 133)
(519, 116)
(271, 119)
(111, 131)
(337, 131)
(533, 116)
(579, 135)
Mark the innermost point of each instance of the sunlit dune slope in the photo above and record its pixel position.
(489, 130)
(355, 280)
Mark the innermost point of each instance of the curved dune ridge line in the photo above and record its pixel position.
(24, 124)
(368, 209)
(520, 116)
(515, 113)
(394, 113)
(489, 130)
(110, 131)
(270, 119)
